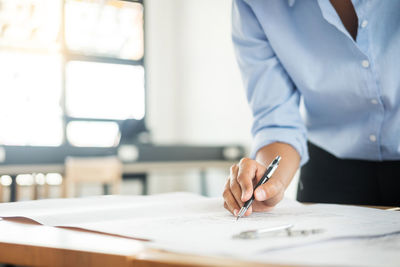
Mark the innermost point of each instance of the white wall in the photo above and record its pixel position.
(214, 108)
(195, 93)
(162, 79)
(195, 88)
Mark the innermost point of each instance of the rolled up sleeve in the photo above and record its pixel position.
(271, 94)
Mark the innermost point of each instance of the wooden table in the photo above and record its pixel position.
(29, 244)
(23, 242)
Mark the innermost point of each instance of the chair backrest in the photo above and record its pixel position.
(1, 192)
(93, 169)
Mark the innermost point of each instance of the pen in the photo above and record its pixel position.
(268, 173)
(257, 233)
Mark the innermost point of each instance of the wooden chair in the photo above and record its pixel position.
(104, 170)
(1, 192)
(26, 184)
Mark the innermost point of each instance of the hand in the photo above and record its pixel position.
(239, 188)
(245, 175)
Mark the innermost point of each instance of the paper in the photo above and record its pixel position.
(382, 251)
(190, 223)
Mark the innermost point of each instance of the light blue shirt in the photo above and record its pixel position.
(351, 89)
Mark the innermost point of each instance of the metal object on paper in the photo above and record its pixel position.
(283, 230)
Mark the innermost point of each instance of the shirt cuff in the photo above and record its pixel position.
(289, 136)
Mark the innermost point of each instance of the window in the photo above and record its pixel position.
(30, 113)
(103, 90)
(70, 71)
(112, 28)
(83, 133)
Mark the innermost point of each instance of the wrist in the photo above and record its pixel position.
(289, 164)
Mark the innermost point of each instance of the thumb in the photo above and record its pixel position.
(269, 190)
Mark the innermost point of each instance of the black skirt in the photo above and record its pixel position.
(328, 179)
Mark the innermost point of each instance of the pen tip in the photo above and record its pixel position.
(237, 218)
(277, 160)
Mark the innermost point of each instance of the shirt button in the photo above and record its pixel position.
(372, 138)
(365, 63)
(364, 23)
(374, 101)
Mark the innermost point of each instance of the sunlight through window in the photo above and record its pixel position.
(97, 134)
(111, 28)
(107, 91)
(54, 77)
(30, 111)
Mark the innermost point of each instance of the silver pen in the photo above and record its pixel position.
(268, 173)
(251, 234)
(282, 230)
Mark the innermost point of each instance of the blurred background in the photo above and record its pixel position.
(129, 97)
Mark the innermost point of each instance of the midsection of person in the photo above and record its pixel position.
(349, 80)
(326, 66)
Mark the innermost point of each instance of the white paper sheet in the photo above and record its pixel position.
(380, 251)
(190, 223)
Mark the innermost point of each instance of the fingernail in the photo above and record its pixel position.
(260, 195)
(235, 212)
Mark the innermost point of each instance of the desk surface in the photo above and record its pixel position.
(23, 242)
(29, 244)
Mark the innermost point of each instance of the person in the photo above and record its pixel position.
(339, 61)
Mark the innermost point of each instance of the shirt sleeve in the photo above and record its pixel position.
(272, 96)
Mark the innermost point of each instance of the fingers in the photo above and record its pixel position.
(230, 201)
(234, 185)
(233, 192)
(268, 204)
(272, 202)
(246, 174)
(239, 188)
(237, 192)
(269, 190)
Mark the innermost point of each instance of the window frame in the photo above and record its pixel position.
(68, 55)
